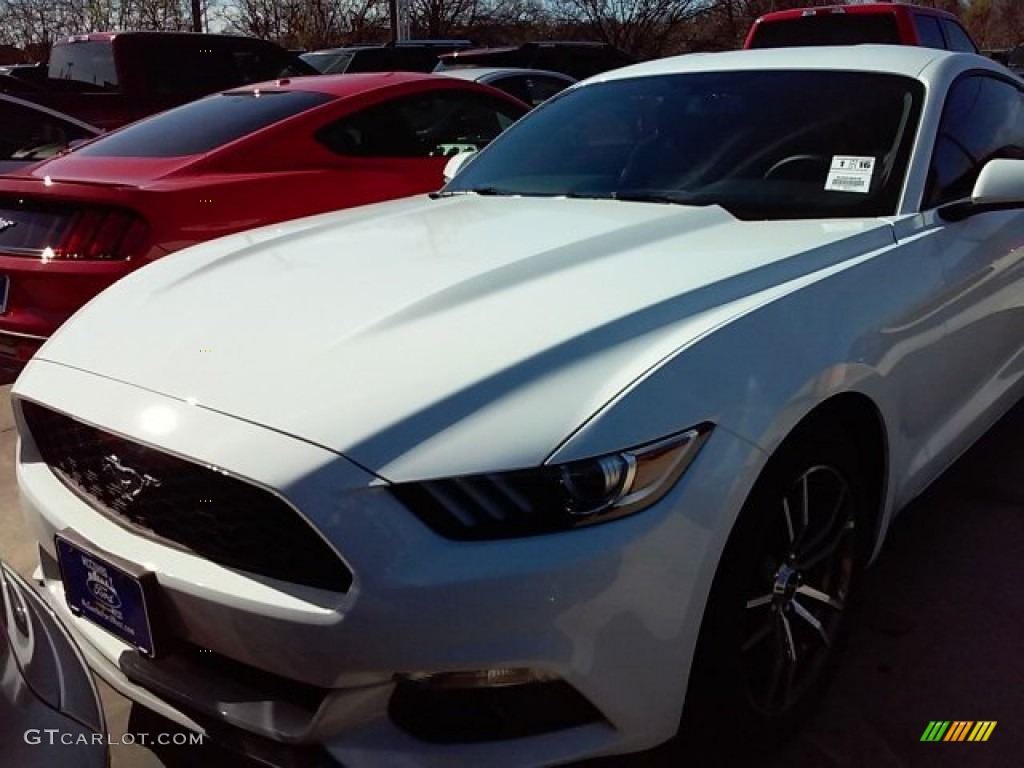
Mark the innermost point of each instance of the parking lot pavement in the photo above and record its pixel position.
(937, 635)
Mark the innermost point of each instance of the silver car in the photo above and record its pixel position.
(48, 700)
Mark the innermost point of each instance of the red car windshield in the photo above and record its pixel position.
(204, 125)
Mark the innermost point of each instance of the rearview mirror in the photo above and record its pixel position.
(455, 164)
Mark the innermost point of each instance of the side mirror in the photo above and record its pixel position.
(1000, 181)
(1000, 187)
(455, 164)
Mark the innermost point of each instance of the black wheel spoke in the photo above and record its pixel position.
(828, 540)
(775, 680)
(783, 673)
(757, 602)
(805, 501)
(763, 631)
(819, 488)
(786, 637)
(809, 617)
(821, 597)
(789, 521)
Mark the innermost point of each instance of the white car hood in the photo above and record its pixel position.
(426, 337)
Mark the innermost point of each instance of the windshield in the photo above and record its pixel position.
(763, 145)
(328, 63)
(89, 62)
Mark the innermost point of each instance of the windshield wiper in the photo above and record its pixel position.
(586, 195)
(639, 196)
(682, 198)
(486, 191)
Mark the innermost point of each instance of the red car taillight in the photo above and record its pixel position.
(65, 231)
(97, 233)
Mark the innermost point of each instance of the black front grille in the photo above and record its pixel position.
(198, 508)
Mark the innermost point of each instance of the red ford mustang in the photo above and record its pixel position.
(73, 225)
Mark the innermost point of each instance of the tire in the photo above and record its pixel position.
(777, 613)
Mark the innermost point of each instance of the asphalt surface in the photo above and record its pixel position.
(937, 636)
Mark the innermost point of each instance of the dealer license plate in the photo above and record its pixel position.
(118, 597)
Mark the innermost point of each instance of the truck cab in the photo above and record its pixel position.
(112, 78)
(893, 23)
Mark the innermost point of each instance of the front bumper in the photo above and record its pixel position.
(612, 610)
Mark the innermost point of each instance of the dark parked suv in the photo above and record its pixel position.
(404, 56)
(895, 23)
(578, 59)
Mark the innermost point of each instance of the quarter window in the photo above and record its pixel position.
(514, 85)
(543, 88)
(983, 119)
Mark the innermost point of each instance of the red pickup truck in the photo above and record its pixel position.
(113, 78)
(893, 23)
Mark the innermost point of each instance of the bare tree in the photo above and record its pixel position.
(726, 23)
(953, 6)
(442, 18)
(995, 23)
(641, 27)
(160, 14)
(306, 23)
(39, 22)
(645, 28)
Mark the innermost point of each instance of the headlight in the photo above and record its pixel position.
(553, 498)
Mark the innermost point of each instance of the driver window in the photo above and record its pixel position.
(983, 119)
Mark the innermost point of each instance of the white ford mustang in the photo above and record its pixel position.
(587, 446)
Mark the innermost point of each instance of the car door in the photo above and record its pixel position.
(983, 258)
(400, 147)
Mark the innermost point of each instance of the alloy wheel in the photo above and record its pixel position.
(796, 605)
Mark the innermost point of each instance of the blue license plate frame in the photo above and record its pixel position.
(111, 593)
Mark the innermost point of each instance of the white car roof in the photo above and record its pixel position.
(906, 60)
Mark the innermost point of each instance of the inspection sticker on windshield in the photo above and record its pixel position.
(850, 173)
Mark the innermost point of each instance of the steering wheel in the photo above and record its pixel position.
(802, 167)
